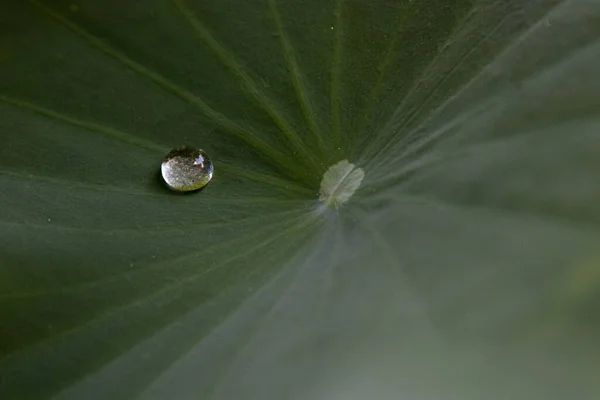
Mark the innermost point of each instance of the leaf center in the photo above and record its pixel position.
(339, 183)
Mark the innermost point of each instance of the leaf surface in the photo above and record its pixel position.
(462, 265)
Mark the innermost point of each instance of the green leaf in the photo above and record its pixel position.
(460, 262)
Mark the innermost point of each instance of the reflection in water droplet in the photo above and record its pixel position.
(186, 169)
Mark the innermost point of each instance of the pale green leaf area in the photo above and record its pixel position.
(454, 254)
(339, 183)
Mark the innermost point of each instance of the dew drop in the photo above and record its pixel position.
(186, 169)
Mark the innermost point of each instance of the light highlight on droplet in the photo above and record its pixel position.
(186, 169)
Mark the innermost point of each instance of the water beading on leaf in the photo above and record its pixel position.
(467, 225)
(186, 169)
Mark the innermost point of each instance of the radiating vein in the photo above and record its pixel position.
(518, 40)
(136, 141)
(404, 288)
(147, 230)
(336, 251)
(496, 211)
(234, 171)
(414, 87)
(211, 333)
(380, 185)
(335, 90)
(179, 282)
(412, 115)
(91, 126)
(382, 69)
(422, 76)
(283, 218)
(248, 83)
(437, 135)
(251, 335)
(299, 86)
(226, 124)
(514, 43)
(482, 106)
(287, 185)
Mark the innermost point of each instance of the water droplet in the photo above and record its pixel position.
(339, 183)
(186, 169)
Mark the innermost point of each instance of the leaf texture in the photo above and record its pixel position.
(458, 139)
